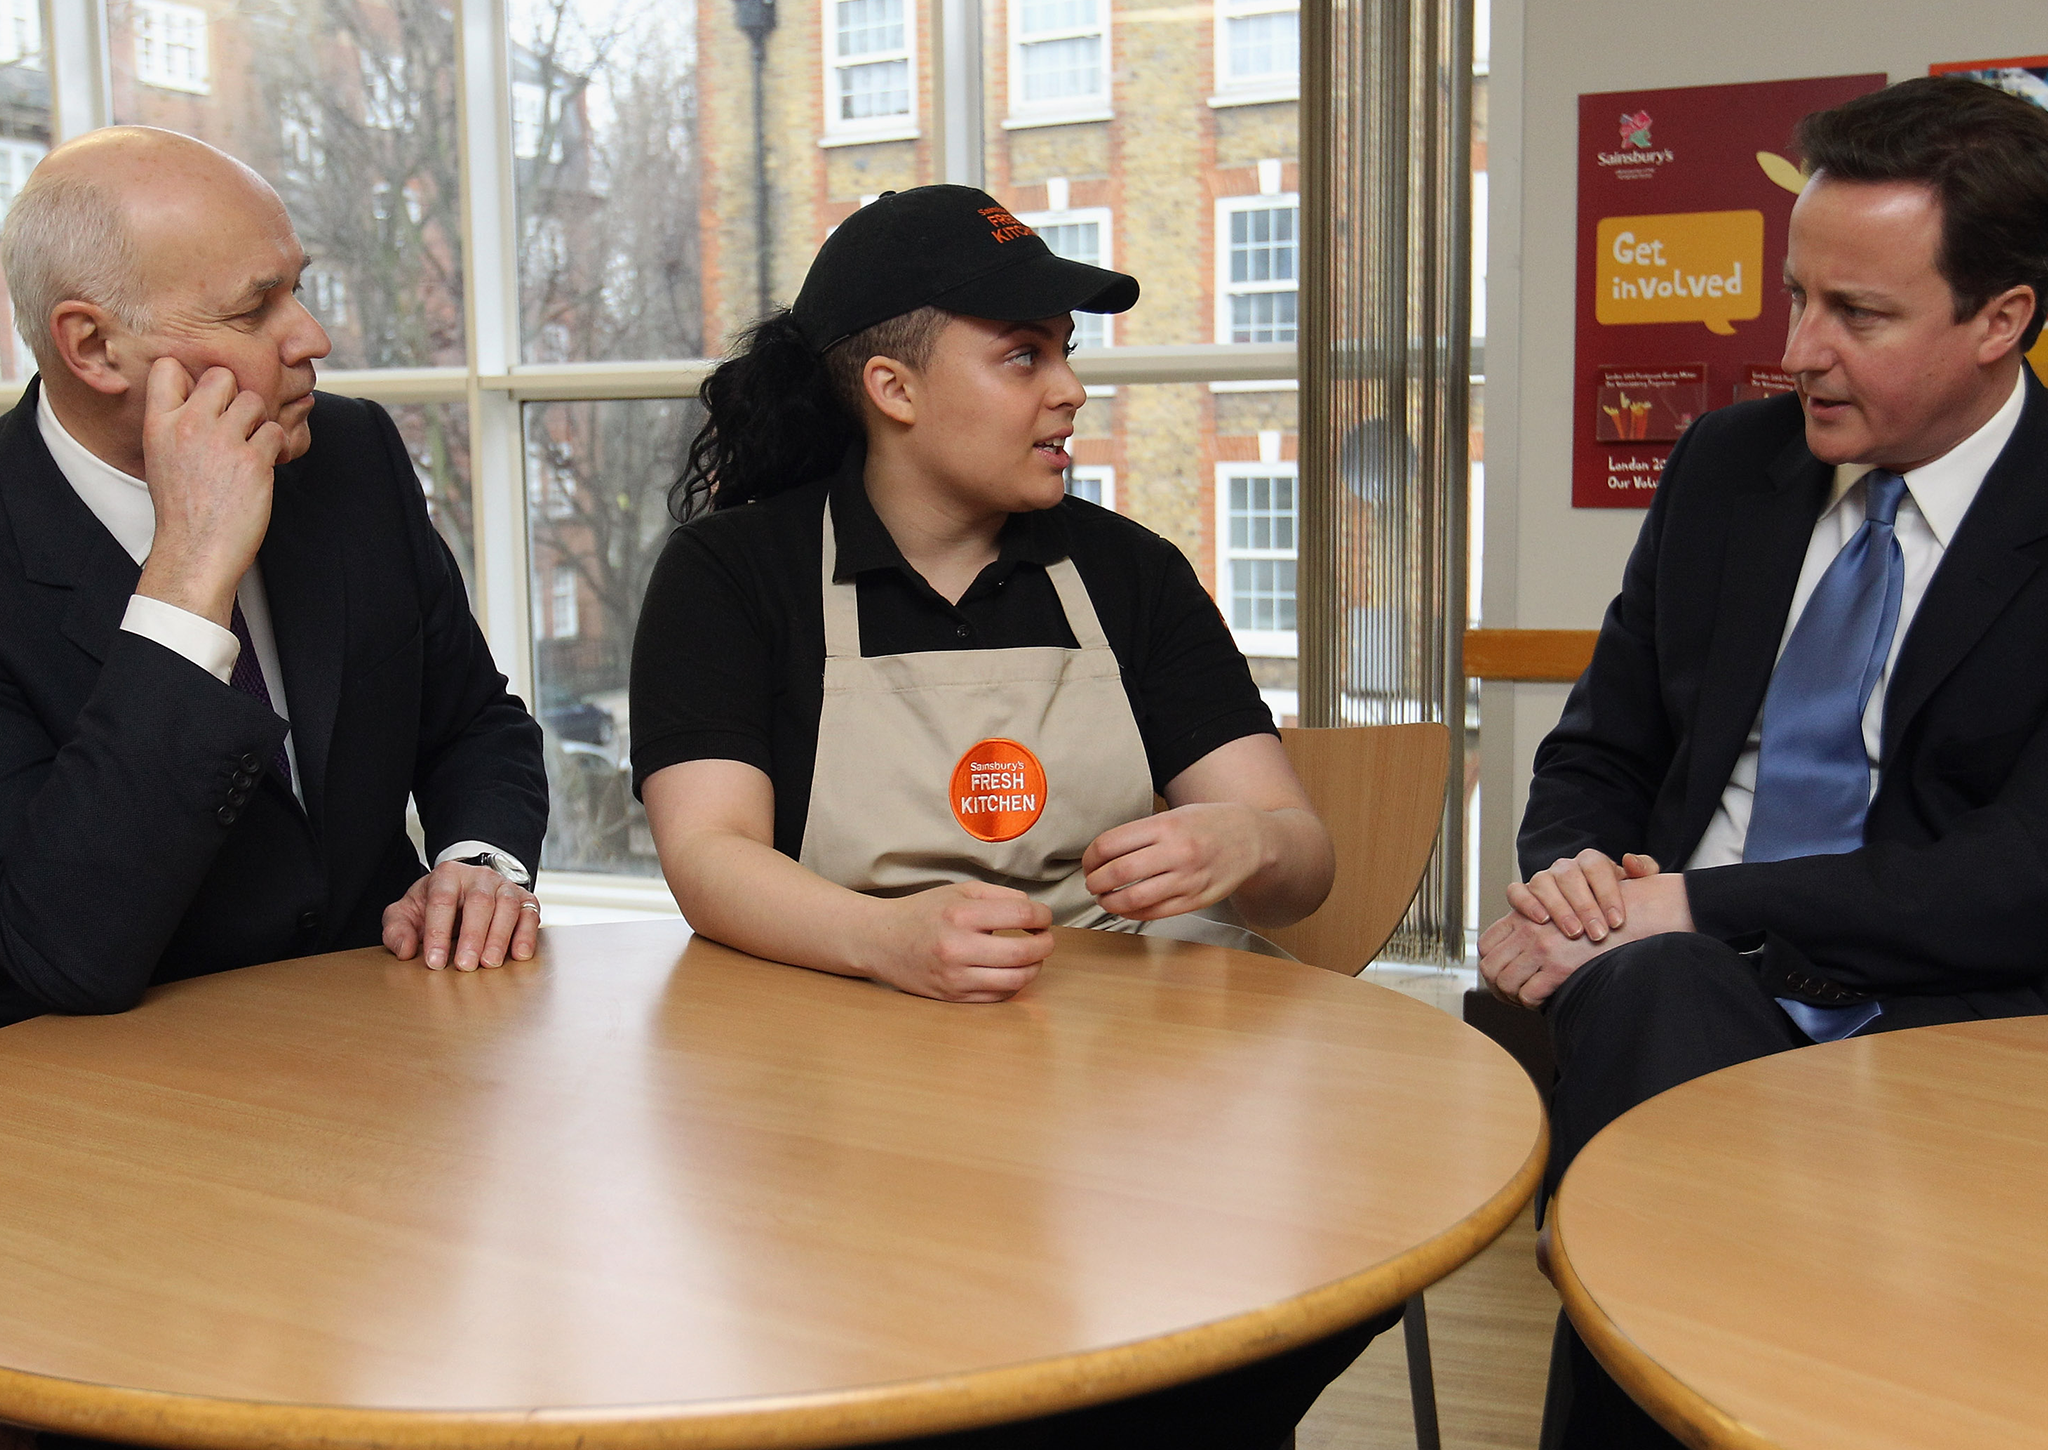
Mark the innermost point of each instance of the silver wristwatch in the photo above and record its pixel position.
(504, 865)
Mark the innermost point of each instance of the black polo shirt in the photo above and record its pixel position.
(729, 660)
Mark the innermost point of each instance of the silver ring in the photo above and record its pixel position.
(532, 906)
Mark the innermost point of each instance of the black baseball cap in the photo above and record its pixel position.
(951, 247)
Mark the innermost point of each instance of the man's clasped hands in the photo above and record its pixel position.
(1565, 916)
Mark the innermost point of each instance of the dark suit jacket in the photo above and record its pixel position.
(1943, 913)
(134, 845)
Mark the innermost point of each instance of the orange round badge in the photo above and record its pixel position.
(998, 790)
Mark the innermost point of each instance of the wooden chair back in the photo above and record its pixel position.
(1380, 791)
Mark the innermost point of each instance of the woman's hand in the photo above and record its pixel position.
(714, 822)
(969, 942)
(1179, 860)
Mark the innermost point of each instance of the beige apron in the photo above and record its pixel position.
(995, 765)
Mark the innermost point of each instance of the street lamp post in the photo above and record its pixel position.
(756, 18)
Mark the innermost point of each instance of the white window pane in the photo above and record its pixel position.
(868, 26)
(1265, 46)
(1056, 70)
(1263, 317)
(361, 149)
(605, 168)
(597, 477)
(437, 437)
(1035, 17)
(1262, 245)
(880, 89)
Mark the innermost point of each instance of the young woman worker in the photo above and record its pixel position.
(893, 691)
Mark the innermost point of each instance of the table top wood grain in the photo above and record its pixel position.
(1843, 1246)
(649, 1191)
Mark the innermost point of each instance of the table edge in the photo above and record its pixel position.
(829, 1418)
(1668, 1400)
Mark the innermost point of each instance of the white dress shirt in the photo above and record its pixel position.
(121, 502)
(1937, 496)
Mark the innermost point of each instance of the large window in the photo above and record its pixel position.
(532, 223)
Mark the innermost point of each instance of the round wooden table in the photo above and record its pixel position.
(1844, 1246)
(649, 1191)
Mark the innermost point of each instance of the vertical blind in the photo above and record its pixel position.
(1385, 359)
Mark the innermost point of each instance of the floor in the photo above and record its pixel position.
(1489, 1335)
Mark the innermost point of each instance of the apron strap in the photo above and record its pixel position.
(842, 601)
(1079, 607)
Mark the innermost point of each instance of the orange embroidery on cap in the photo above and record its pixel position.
(1004, 227)
(998, 790)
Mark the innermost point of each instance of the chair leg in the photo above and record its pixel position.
(1421, 1378)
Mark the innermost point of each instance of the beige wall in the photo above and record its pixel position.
(1549, 566)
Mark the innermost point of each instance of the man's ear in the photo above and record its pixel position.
(2005, 318)
(891, 389)
(90, 342)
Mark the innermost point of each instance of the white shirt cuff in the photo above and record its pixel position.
(462, 849)
(182, 632)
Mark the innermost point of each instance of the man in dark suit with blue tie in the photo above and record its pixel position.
(1822, 693)
(231, 644)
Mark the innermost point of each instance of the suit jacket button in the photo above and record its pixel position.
(238, 796)
(226, 815)
(244, 779)
(251, 762)
(308, 920)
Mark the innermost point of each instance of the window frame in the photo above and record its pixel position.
(493, 384)
(1282, 644)
(1065, 110)
(1226, 289)
(1267, 89)
(842, 132)
(162, 9)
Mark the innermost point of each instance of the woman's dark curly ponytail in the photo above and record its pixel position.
(775, 423)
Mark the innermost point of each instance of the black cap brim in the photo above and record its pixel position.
(1041, 286)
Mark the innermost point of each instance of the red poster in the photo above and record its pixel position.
(1683, 200)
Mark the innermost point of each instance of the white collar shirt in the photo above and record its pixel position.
(1938, 494)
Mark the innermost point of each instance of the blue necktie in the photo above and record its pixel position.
(1813, 770)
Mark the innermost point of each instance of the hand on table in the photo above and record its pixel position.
(1524, 960)
(944, 942)
(463, 916)
(1176, 861)
(209, 457)
(1581, 895)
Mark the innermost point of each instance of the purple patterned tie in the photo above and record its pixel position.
(247, 676)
